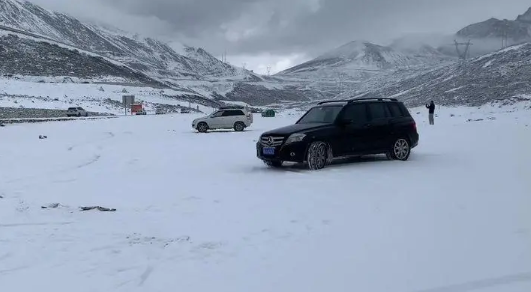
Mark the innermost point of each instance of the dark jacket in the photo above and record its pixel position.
(431, 107)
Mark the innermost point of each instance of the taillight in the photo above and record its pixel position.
(414, 126)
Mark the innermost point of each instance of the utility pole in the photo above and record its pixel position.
(340, 83)
(462, 55)
(505, 43)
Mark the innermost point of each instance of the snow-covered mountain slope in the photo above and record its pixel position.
(499, 76)
(361, 66)
(25, 55)
(148, 55)
(363, 60)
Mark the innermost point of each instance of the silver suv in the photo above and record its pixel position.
(229, 117)
(76, 112)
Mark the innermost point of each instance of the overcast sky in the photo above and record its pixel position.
(282, 33)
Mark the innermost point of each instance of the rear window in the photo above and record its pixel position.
(403, 109)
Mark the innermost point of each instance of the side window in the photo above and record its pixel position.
(357, 113)
(378, 111)
(395, 110)
(217, 114)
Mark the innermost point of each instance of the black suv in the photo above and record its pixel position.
(335, 129)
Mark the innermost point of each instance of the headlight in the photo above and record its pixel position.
(295, 138)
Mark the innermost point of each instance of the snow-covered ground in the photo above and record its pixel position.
(199, 212)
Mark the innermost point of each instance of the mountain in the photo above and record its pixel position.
(502, 75)
(147, 55)
(487, 35)
(359, 65)
(363, 59)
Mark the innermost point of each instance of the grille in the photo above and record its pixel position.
(272, 141)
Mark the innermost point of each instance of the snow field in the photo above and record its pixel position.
(200, 212)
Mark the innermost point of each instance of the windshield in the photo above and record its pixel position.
(321, 114)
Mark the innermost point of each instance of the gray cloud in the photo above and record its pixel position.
(287, 27)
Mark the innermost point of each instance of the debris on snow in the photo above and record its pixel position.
(99, 208)
(51, 206)
(43, 137)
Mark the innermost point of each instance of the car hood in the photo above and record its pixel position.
(199, 119)
(296, 128)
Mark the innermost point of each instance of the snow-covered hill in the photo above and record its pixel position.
(502, 76)
(363, 60)
(360, 66)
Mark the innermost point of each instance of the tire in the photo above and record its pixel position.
(318, 155)
(239, 126)
(400, 150)
(202, 127)
(275, 164)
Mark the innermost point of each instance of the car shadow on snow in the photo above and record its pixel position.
(338, 163)
(219, 131)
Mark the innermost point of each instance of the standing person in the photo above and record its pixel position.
(431, 108)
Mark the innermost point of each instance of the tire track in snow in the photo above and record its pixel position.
(145, 275)
(109, 136)
(90, 162)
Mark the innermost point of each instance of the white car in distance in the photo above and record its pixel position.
(228, 117)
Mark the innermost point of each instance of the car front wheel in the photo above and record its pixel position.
(202, 127)
(318, 155)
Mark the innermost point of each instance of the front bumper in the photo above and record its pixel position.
(295, 152)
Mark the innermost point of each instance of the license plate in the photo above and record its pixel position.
(268, 151)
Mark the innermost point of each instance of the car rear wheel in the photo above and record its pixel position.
(202, 127)
(239, 126)
(400, 150)
(318, 156)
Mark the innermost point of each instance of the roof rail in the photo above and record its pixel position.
(333, 100)
(231, 107)
(373, 98)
